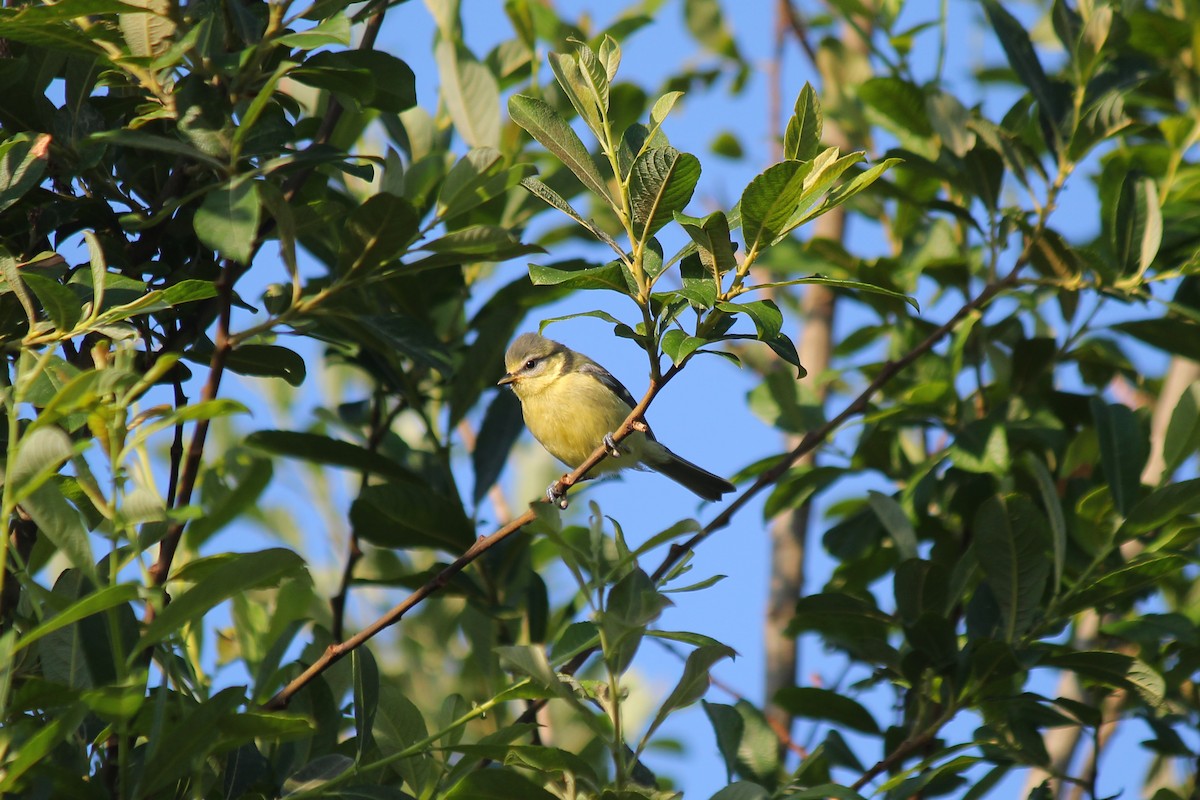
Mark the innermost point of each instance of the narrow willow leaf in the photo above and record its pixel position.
(1123, 451)
(552, 132)
(692, 685)
(1024, 61)
(843, 284)
(553, 198)
(1053, 505)
(569, 74)
(802, 139)
(1137, 225)
(471, 93)
(1011, 539)
(102, 600)
(234, 573)
(896, 521)
(661, 182)
(825, 704)
(900, 101)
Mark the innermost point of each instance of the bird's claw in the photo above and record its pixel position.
(557, 495)
(611, 446)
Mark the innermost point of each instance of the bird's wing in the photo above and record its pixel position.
(605, 377)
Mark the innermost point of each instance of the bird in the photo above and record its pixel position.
(571, 405)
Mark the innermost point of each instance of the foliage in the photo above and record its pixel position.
(154, 158)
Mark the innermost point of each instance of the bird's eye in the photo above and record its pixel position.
(531, 363)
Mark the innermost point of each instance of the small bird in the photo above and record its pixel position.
(571, 405)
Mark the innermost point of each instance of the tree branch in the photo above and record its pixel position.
(335, 652)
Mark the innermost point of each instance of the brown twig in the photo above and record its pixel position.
(191, 464)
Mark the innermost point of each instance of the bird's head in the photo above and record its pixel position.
(532, 363)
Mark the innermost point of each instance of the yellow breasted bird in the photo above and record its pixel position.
(571, 405)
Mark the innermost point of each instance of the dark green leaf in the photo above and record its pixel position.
(1012, 537)
(60, 303)
(378, 232)
(552, 132)
(410, 515)
(693, 684)
(1178, 336)
(496, 784)
(319, 449)
(501, 427)
(227, 220)
(899, 101)
(1122, 451)
(582, 275)
(239, 572)
(1137, 225)
(824, 704)
(372, 77)
(264, 361)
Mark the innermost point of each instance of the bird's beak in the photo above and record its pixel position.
(507, 379)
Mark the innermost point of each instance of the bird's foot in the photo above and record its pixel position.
(557, 495)
(611, 446)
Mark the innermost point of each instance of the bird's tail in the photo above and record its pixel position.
(696, 479)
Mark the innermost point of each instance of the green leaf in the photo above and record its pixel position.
(1161, 507)
(746, 741)
(579, 90)
(501, 427)
(148, 34)
(827, 705)
(661, 182)
(1137, 225)
(265, 361)
(410, 515)
(769, 202)
(1183, 431)
(900, 101)
(23, 159)
(767, 318)
(692, 685)
(497, 784)
(59, 302)
(556, 200)
(706, 21)
(803, 137)
(896, 522)
(471, 94)
(140, 140)
(552, 132)
(371, 77)
(1122, 451)
(216, 579)
(1178, 336)
(633, 603)
(577, 274)
(1011, 538)
(316, 773)
(227, 220)
(713, 242)
(319, 449)
(1024, 61)
(101, 600)
(377, 233)
(1054, 511)
(467, 185)
(679, 345)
